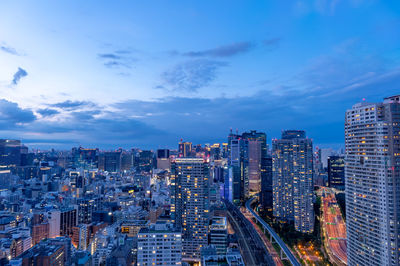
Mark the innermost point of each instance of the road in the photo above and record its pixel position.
(293, 260)
(267, 243)
(251, 245)
(334, 228)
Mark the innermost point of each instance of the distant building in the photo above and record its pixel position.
(266, 194)
(185, 149)
(10, 153)
(190, 203)
(85, 158)
(293, 180)
(163, 160)
(159, 244)
(112, 161)
(336, 177)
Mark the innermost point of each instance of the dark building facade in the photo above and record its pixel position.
(336, 174)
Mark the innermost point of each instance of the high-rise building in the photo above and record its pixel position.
(159, 244)
(190, 203)
(372, 174)
(185, 149)
(257, 150)
(85, 158)
(266, 194)
(112, 161)
(68, 220)
(10, 153)
(293, 180)
(219, 234)
(86, 207)
(163, 159)
(336, 172)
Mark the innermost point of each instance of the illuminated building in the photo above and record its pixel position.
(111, 161)
(219, 234)
(266, 194)
(257, 150)
(68, 220)
(185, 149)
(372, 175)
(159, 244)
(293, 180)
(336, 172)
(10, 153)
(190, 203)
(44, 253)
(237, 168)
(86, 207)
(85, 158)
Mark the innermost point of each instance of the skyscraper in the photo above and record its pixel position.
(293, 180)
(237, 168)
(336, 172)
(10, 153)
(185, 149)
(372, 173)
(190, 203)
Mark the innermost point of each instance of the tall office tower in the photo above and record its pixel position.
(266, 195)
(293, 179)
(219, 234)
(237, 168)
(159, 244)
(336, 172)
(257, 150)
(372, 173)
(85, 158)
(112, 161)
(185, 149)
(10, 153)
(126, 161)
(190, 203)
(163, 160)
(146, 161)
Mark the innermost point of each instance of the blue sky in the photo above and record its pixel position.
(146, 74)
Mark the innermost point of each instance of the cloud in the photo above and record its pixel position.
(8, 49)
(69, 105)
(191, 75)
(11, 114)
(117, 59)
(47, 112)
(273, 42)
(223, 51)
(19, 75)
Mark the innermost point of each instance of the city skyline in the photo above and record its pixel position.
(125, 74)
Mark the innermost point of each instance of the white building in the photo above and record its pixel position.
(372, 169)
(159, 244)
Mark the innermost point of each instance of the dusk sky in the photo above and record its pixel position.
(145, 74)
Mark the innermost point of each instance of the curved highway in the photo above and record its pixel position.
(293, 260)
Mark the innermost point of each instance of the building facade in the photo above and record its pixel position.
(336, 172)
(293, 180)
(372, 171)
(190, 203)
(159, 244)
